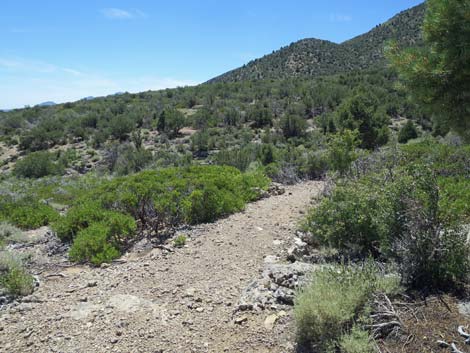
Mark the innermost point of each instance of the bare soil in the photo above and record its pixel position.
(425, 321)
(183, 300)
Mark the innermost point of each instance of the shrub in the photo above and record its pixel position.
(180, 241)
(86, 214)
(77, 218)
(129, 159)
(92, 244)
(37, 165)
(362, 113)
(121, 126)
(342, 150)
(433, 255)
(200, 142)
(240, 158)
(454, 199)
(407, 132)
(9, 233)
(335, 300)
(293, 126)
(28, 213)
(13, 276)
(357, 218)
(434, 259)
(356, 341)
(395, 216)
(315, 166)
(170, 122)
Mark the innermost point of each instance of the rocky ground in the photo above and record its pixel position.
(229, 289)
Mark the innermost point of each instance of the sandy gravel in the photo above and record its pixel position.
(160, 301)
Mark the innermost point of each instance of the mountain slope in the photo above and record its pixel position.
(315, 57)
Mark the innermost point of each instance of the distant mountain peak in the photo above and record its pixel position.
(46, 104)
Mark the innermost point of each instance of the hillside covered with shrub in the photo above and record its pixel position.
(379, 121)
(314, 57)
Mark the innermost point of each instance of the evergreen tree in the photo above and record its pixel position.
(438, 74)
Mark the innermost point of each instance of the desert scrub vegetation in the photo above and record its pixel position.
(10, 234)
(180, 241)
(403, 206)
(331, 311)
(109, 217)
(14, 278)
(27, 212)
(399, 213)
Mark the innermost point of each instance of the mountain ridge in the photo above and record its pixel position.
(312, 57)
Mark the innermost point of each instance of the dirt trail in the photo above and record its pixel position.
(182, 301)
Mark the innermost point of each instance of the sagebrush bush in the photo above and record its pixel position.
(356, 341)
(334, 300)
(433, 254)
(395, 215)
(9, 233)
(13, 276)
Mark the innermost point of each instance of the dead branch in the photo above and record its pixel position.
(55, 275)
(464, 334)
(444, 344)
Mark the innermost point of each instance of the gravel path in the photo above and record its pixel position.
(160, 301)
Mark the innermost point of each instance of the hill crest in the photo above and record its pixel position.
(310, 57)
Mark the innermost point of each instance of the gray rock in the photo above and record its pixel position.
(240, 320)
(277, 285)
(464, 308)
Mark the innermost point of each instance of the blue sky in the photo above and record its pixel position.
(62, 50)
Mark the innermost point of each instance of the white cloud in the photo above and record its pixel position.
(120, 14)
(72, 71)
(339, 17)
(9, 64)
(20, 66)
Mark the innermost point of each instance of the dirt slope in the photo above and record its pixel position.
(160, 301)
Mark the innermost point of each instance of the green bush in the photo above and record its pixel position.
(9, 233)
(180, 241)
(342, 150)
(77, 218)
(362, 112)
(37, 165)
(356, 218)
(13, 276)
(407, 132)
(334, 301)
(356, 341)
(28, 213)
(454, 201)
(174, 195)
(92, 244)
(158, 200)
(85, 214)
(293, 126)
(395, 215)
